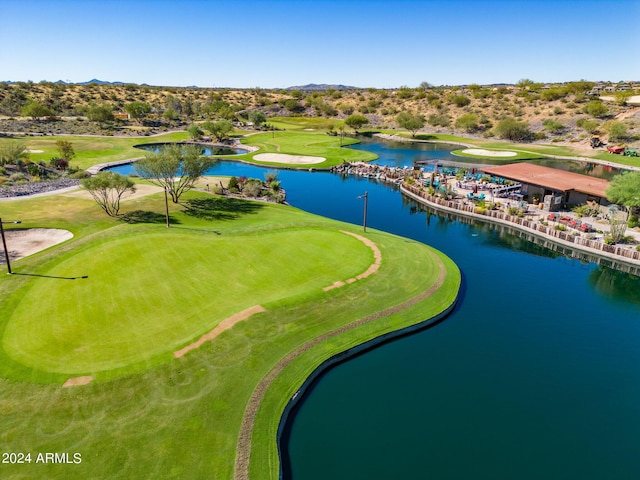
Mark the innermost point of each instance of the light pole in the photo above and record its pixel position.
(4, 244)
(364, 220)
(166, 205)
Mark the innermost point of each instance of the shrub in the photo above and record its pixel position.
(633, 221)
(460, 101)
(560, 227)
(553, 126)
(59, 163)
(468, 122)
(587, 125)
(609, 240)
(18, 178)
(617, 131)
(585, 210)
(596, 108)
(253, 188)
(511, 129)
(33, 169)
(79, 175)
(439, 120)
(554, 93)
(233, 185)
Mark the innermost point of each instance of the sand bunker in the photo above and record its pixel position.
(292, 159)
(77, 381)
(488, 153)
(22, 243)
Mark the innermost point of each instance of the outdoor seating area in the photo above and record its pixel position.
(570, 222)
(473, 197)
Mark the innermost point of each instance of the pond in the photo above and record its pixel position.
(206, 149)
(534, 375)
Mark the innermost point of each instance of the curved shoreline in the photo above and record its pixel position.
(343, 357)
(244, 446)
(541, 155)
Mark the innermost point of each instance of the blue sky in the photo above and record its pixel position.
(271, 44)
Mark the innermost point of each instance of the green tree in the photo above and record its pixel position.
(65, 149)
(195, 132)
(220, 129)
(293, 105)
(176, 168)
(623, 96)
(11, 152)
(410, 121)
(138, 110)
(525, 84)
(257, 117)
(107, 189)
(170, 114)
(36, 111)
(356, 122)
(100, 113)
(624, 190)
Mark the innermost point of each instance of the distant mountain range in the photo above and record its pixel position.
(321, 86)
(308, 87)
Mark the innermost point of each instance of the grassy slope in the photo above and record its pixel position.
(305, 143)
(180, 418)
(92, 150)
(139, 318)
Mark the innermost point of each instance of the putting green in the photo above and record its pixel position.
(157, 292)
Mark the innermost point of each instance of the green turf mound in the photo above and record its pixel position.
(147, 295)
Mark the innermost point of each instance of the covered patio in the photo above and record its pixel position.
(558, 188)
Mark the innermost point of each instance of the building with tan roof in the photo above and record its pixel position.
(573, 188)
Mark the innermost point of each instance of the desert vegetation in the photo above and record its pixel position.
(525, 112)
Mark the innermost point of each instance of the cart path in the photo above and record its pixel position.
(243, 450)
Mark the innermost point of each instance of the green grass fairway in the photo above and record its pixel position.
(123, 315)
(306, 143)
(92, 150)
(150, 291)
(494, 160)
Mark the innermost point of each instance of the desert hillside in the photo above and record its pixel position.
(568, 113)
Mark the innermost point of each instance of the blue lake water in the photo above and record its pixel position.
(536, 374)
(206, 149)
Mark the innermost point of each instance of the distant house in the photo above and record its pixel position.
(122, 116)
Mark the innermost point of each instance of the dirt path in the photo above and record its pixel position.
(76, 381)
(373, 268)
(225, 324)
(243, 450)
